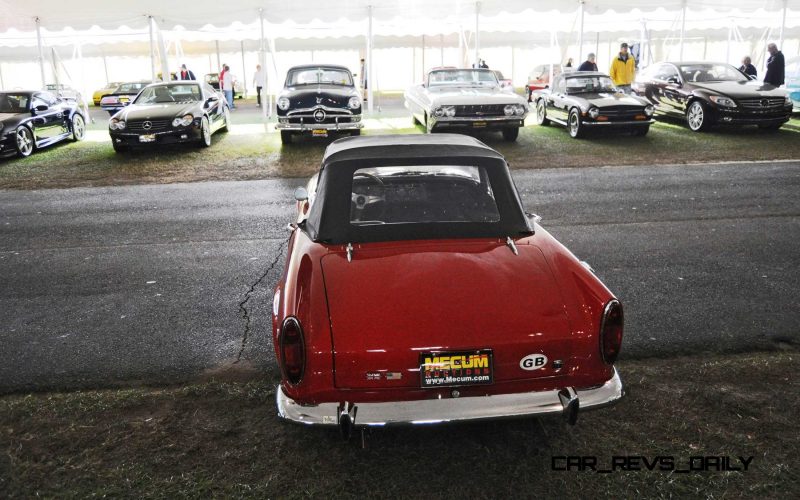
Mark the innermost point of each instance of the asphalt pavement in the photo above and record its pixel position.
(144, 284)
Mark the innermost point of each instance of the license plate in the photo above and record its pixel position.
(444, 369)
(319, 133)
(147, 138)
(478, 124)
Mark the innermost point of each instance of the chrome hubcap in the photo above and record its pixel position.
(540, 112)
(78, 127)
(24, 141)
(206, 132)
(573, 123)
(695, 116)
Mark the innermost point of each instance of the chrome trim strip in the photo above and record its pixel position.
(436, 411)
(445, 119)
(299, 127)
(327, 109)
(621, 124)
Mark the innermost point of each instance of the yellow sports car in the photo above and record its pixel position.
(108, 89)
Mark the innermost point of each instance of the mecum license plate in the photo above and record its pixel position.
(147, 138)
(478, 124)
(319, 133)
(443, 369)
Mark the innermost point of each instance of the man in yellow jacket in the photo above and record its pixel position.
(623, 69)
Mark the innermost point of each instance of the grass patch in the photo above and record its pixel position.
(223, 439)
(260, 155)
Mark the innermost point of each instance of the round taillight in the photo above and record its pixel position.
(611, 327)
(293, 350)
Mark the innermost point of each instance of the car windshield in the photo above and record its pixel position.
(422, 194)
(160, 94)
(14, 103)
(580, 84)
(698, 73)
(131, 88)
(315, 76)
(461, 77)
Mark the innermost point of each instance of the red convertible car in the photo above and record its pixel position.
(417, 291)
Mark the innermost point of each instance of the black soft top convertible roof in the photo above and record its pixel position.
(329, 218)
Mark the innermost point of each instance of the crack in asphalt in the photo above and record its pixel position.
(249, 293)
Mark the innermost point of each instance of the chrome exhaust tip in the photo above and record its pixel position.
(347, 419)
(570, 405)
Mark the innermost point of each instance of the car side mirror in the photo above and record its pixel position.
(211, 100)
(40, 108)
(535, 218)
(300, 194)
(674, 81)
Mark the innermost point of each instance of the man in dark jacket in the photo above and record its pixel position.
(185, 74)
(588, 64)
(747, 67)
(776, 66)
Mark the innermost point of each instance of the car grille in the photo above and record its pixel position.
(762, 103)
(155, 125)
(622, 111)
(480, 110)
(330, 116)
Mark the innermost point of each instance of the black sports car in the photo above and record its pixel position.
(35, 119)
(122, 96)
(319, 99)
(705, 94)
(584, 100)
(167, 113)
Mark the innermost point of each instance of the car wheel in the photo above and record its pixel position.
(541, 113)
(510, 134)
(24, 143)
(205, 133)
(641, 131)
(78, 128)
(697, 117)
(574, 125)
(119, 148)
(286, 137)
(226, 120)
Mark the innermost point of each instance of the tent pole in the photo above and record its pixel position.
(423, 55)
(580, 34)
(244, 69)
(2, 83)
(683, 30)
(152, 50)
(162, 52)
(262, 55)
(41, 52)
(105, 67)
(219, 64)
(370, 74)
(55, 70)
(477, 32)
(783, 25)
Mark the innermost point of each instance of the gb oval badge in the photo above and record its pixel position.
(533, 362)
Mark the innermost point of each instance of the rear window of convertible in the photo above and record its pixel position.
(421, 194)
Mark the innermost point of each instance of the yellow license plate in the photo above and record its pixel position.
(479, 124)
(319, 133)
(147, 138)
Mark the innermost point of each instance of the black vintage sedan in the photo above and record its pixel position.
(318, 99)
(588, 100)
(35, 119)
(705, 94)
(168, 113)
(121, 96)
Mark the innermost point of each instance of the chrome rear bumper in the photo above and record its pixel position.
(566, 401)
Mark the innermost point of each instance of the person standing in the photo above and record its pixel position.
(260, 81)
(623, 69)
(364, 82)
(186, 74)
(483, 65)
(776, 66)
(589, 64)
(227, 85)
(569, 63)
(747, 67)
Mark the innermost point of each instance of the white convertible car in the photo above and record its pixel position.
(454, 98)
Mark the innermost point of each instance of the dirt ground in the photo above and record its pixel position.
(222, 438)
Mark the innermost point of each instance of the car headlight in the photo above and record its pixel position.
(787, 101)
(449, 111)
(354, 102)
(594, 112)
(649, 110)
(438, 112)
(183, 121)
(509, 109)
(519, 109)
(725, 102)
(283, 103)
(116, 124)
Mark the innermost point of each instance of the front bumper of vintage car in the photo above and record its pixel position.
(567, 402)
(320, 118)
(477, 121)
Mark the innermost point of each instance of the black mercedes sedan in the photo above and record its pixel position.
(707, 93)
(30, 120)
(168, 113)
(318, 99)
(588, 100)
